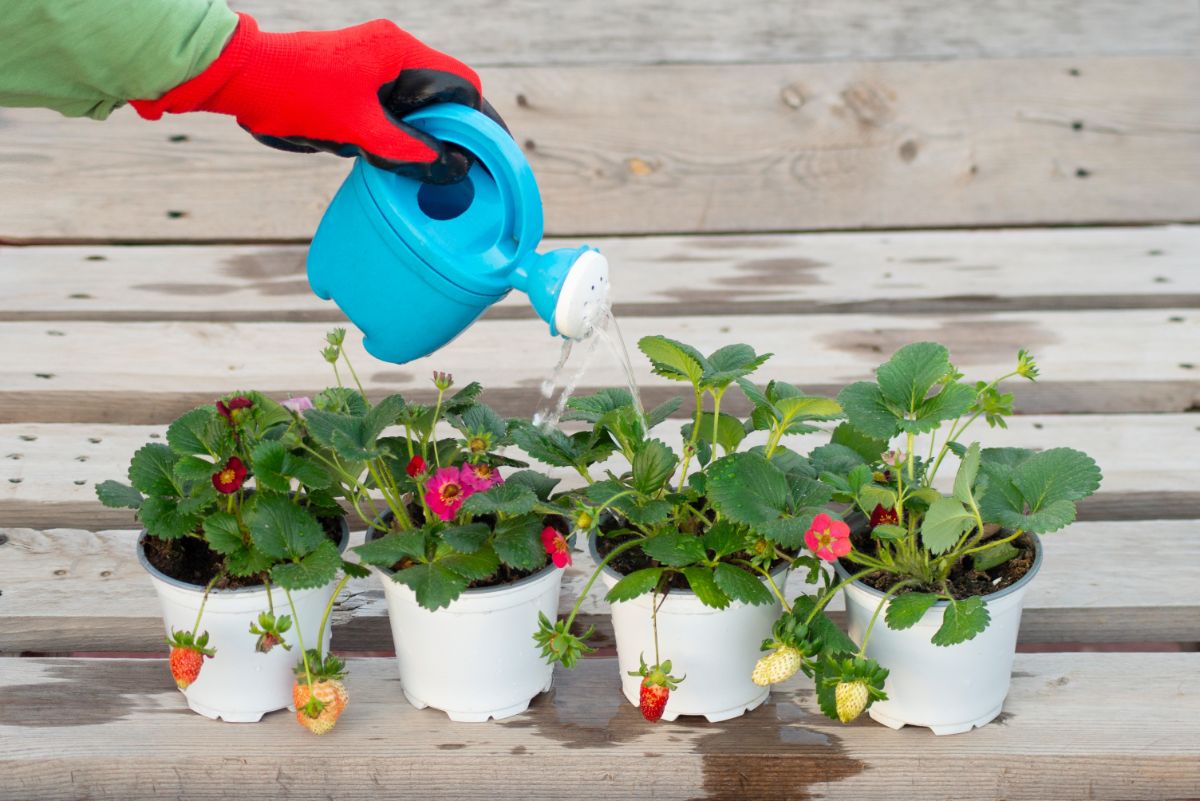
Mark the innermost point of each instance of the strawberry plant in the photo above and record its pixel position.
(724, 530)
(238, 495)
(915, 543)
(428, 479)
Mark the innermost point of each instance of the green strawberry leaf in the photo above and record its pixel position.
(435, 585)
(163, 519)
(949, 404)
(746, 488)
(316, 568)
(116, 495)
(887, 531)
(464, 539)
(674, 549)
(590, 408)
(961, 621)
(637, 583)
(275, 467)
(905, 611)
(869, 448)
(1039, 493)
(506, 498)
(518, 541)
(822, 629)
(837, 459)
(869, 411)
(741, 586)
(541, 485)
(906, 378)
(723, 538)
(281, 529)
(152, 472)
(198, 432)
(701, 581)
(653, 465)
(195, 468)
(223, 533)
(995, 556)
(393, 547)
(964, 480)
(944, 523)
(673, 360)
(474, 566)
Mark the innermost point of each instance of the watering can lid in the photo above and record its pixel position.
(517, 227)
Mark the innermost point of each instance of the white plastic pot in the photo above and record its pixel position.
(476, 658)
(950, 689)
(238, 684)
(715, 648)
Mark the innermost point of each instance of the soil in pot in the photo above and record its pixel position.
(504, 575)
(964, 580)
(189, 559)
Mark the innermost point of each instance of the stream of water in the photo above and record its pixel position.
(564, 381)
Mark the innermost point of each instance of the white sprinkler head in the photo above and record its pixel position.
(584, 296)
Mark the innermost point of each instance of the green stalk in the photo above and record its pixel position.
(299, 639)
(770, 581)
(862, 648)
(353, 374)
(716, 418)
(832, 592)
(595, 575)
(203, 601)
(329, 609)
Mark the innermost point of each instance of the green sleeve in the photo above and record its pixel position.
(86, 57)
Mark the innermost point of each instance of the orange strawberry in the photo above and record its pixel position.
(321, 701)
(187, 656)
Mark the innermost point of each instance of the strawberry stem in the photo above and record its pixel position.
(328, 609)
(203, 601)
(300, 639)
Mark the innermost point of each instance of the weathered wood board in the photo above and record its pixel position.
(69, 590)
(1075, 726)
(696, 148)
(649, 32)
(104, 372)
(898, 272)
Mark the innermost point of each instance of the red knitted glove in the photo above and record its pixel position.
(340, 91)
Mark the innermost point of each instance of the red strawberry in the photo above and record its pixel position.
(653, 700)
(657, 683)
(187, 656)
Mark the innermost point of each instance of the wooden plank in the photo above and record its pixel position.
(655, 31)
(918, 272)
(71, 590)
(102, 359)
(1075, 726)
(634, 150)
(57, 463)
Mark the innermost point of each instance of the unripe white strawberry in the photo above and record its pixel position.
(777, 666)
(851, 697)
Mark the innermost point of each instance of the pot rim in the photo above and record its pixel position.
(186, 585)
(782, 570)
(1038, 551)
(475, 592)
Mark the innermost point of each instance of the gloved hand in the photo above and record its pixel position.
(341, 91)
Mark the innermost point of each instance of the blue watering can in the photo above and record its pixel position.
(413, 265)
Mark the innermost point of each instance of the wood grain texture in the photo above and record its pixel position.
(44, 359)
(537, 32)
(626, 149)
(917, 272)
(1074, 727)
(61, 463)
(70, 590)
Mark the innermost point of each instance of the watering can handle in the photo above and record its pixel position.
(495, 149)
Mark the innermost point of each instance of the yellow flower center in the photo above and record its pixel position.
(824, 539)
(450, 492)
(477, 444)
(228, 476)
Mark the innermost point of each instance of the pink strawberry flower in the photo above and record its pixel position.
(828, 538)
(297, 405)
(445, 492)
(480, 477)
(556, 545)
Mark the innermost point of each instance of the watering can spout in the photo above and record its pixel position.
(568, 288)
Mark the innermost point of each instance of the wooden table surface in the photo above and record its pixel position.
(746, 171)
